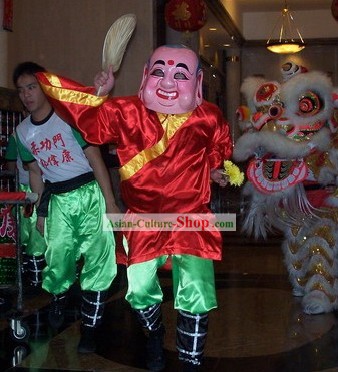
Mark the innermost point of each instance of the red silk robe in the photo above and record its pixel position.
(165, 160)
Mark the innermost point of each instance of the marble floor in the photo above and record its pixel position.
(258, 326)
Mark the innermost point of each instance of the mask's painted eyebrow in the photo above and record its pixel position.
(159, 62)
(183, 65)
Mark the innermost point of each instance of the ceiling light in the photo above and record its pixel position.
(289, 39)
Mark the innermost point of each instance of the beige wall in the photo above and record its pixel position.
(66, 36)
(3, 51)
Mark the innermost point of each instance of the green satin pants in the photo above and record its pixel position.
(76, 227)
(193, 284)
(33, 241)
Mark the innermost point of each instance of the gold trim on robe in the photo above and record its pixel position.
(171, 123)
(69, 95)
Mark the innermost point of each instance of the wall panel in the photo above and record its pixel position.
(67, 37)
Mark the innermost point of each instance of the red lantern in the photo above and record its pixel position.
(7, 21)
(334, 9)
(185, 15)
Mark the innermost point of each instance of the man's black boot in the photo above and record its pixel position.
(87, 342)
(56, 315)
(155, 354)
(34, 267)
(151, 321)
(191, 335)
(92, 309)
(189, 367)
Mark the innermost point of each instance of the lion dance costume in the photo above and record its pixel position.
(290, 141)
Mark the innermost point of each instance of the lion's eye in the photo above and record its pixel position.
(309, 104)
(275, 111)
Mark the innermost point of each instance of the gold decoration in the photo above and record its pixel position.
(324, 232)
(315, 161)
(294, 248)
(295, 230)
(319, 269)
(297, 265)
(319, 250)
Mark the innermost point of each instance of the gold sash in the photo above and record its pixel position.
(58, 90)
(171, 123)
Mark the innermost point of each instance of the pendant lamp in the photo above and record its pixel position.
(285, 37)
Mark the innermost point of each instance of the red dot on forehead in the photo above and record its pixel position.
(171, 62)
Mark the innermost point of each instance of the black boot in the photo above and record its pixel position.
(24, 260)
(34, 267)
(189, 367)
(155, 354)
(87, 342)
(151, 321)
(190, 339)
(92, 312)
(56, 315)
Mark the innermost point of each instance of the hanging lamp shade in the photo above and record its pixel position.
(285, 37)
(185, 15)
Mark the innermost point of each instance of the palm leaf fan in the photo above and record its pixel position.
(116, 41)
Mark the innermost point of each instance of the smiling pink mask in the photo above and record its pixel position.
(172, 81)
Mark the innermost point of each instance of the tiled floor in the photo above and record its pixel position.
(258, 326)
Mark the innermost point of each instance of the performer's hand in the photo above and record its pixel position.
(104, 82)
(219, 177)
(40, 225)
